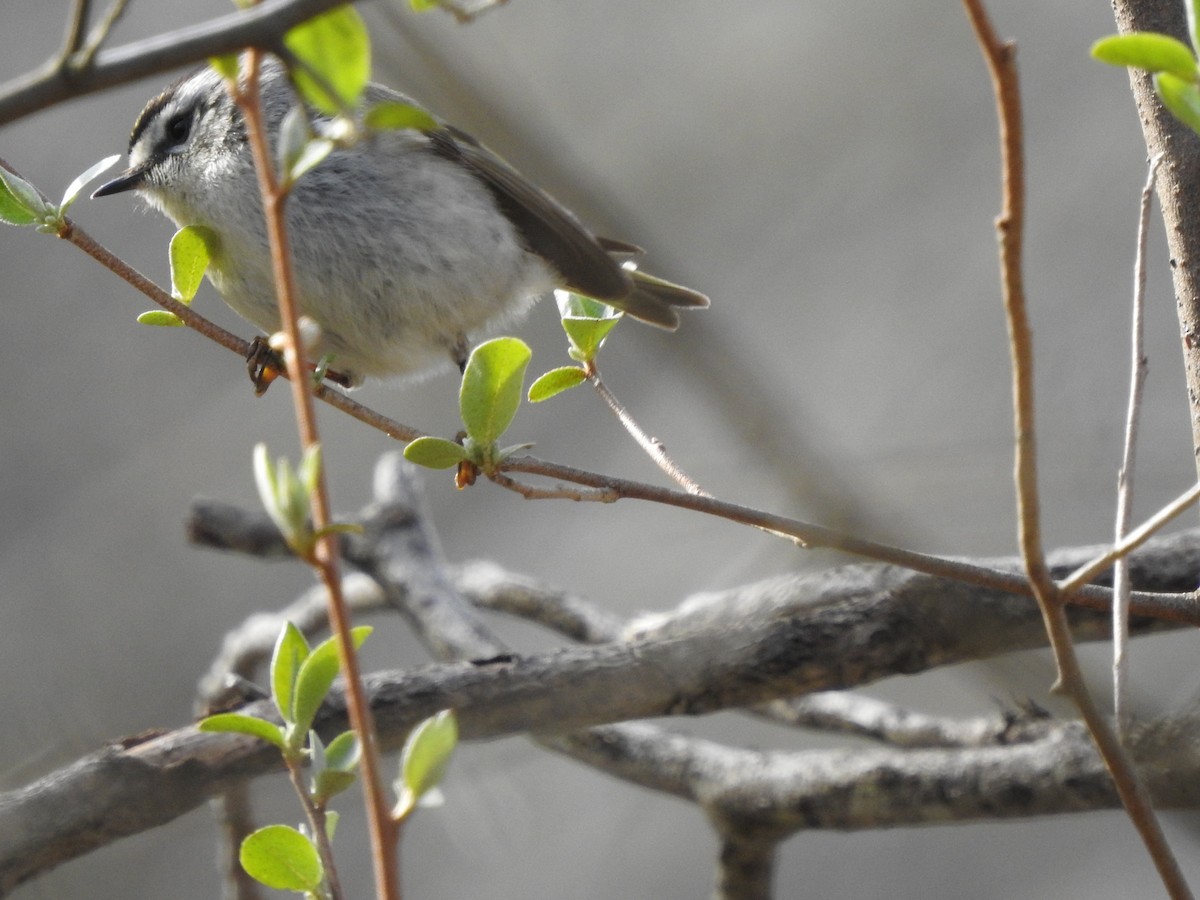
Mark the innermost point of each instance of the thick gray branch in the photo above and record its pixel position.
(260, 26)
(792, 636)
(773, 795)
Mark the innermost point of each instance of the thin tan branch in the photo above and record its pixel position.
(653, 447)
(1000, 57)
(325, 558)
(1131, 541)
(611, 489)
(1137, 384)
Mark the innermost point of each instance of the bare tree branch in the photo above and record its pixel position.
(846, 713)
(260, 26)
(794, 635)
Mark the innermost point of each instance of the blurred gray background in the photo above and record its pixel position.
(828, 174)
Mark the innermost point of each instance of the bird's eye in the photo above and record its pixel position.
(179, 126)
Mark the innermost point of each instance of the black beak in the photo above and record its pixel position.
(128, 180)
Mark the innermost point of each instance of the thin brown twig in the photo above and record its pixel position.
(1124, 516)
(1000, 57)
(652, 446)
(230, 341)
(82, 58)
(610, 489)
(325, 557)
(75, 235)
(1084, 574)
(529, 492)
(316, 823)
(76, 30)
(1170, 607)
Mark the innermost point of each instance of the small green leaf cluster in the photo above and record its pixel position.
(488, 399)
(22, 204)
(280, 856)
(492, 381)
(286, 858)
(587, 323)
(300, 678)
(287, 497)
(1172, 63)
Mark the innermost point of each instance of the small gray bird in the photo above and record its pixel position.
(402, 244)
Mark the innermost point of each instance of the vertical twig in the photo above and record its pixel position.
(232, 813)
(1180, 172)
(1137, 382)
(1000, 57)
(79, 48)
(76, 29)
(325, 559)
(317, 825)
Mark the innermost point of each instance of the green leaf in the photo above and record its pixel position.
(291, 650)
(491, 387)
(343, 752)
(391, 115)
(424, 5)
(237, 723)
(434, 453)
(316, 675)
(424, 758)
(587, 335)
(333, 766)
(330, 783)
(555, 382)
(1181, 97)
(311, 156)
(337, 47)
(73, 189)
(20, 203)
(226, 66)
(294, 133)
(1147, 50)
(282, 858)
(192, 249)
(299, 151)
(587, 323)
(160, 317)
